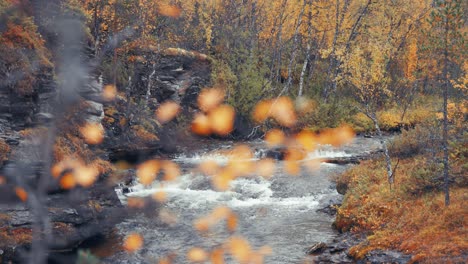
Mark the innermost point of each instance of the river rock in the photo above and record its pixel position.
(317, 248)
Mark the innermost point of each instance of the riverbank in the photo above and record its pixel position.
(408, 223)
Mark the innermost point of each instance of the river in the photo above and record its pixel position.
(280, 212)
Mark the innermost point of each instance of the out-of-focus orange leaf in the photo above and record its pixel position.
(202, 224)
(292, 167)
(93, 133)
(167, 111)
(337, 136)
(222, 180)
(109, 92)
(231, 222)
(21, 193)
(201, 125)
(274, 137)
(67, 181)
(197, 255)
(240, 249)
(262, 111)
(220, 212)
(209, 167)
(2, 180)
(122, 165)
(165, 260)
(160, 196)
(135, 202)
(307, 140)
(266, 167)
(85, 175)
(169, 10)
(313, 165)
(221, 119)
(210, 98)
(265, 250)
(305, 105)
(217, 256)
(133, 242)
(147, 171)
(56, 170)
(283, 111)
(171, 170)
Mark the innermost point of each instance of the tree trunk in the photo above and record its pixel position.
(388, 161)
(445, 128)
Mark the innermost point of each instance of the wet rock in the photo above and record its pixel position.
(385, 256)
(317, 248)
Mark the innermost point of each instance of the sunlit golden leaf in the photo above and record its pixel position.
(220, 212)
(171, 170)
(231, 222)
(222, 180)
(202, 224)
(169, 10)
(221, 119)
(109, 92)
(292, 167)
(93, 133)
(167, 111)
(217, 256)
(262, 111)
(135, 202)
(266, 167)
(307, 140)
(160, 196)
(147, 171)
(197, 255)
(21, 193)
(133, 242)
(208, 167)
(274, 137)
(210, 99)
(201, 125)
(283, 111)
(241, 152)
(67, 181)
(239, 248)
(85, 175)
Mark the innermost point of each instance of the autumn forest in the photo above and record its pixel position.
(233, 131)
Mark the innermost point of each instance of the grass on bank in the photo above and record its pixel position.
(412, 217)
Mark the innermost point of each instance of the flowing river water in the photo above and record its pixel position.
(280, 212)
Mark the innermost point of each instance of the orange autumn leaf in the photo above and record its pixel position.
(147, 171)
(2, 180)
(274, 137)
(21, 193)
(109, 92)
(210, 99)
(337, 136)
(93, 133)
(292, 167)
(202, 224)
(133, 242)
(85, 175)
(266, 167)
(283, 111)
(239, 248)
(220, 212)
(231, 222)
(217, 256)
(167, 111)
(307, 140)
(201, 125)
(135, 202)
(208, 167)
(67, 181)
(169, 10)
(262, 111)
(159, 196)
(56, 170)
(221, 119)
(171, 170)
(197, 255)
